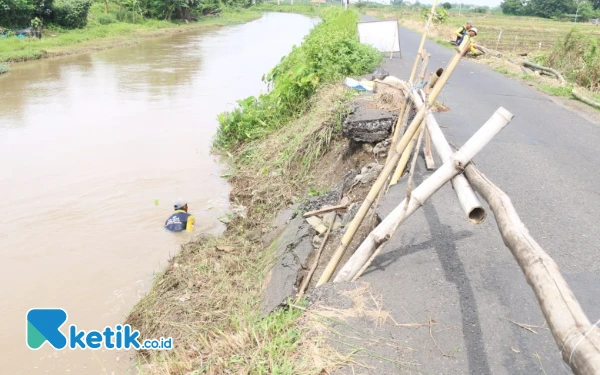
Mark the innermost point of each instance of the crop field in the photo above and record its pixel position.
(497, 31)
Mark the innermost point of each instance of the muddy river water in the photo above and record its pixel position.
(93, 150)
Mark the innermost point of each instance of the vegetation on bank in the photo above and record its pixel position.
(4, 68)
(101, 34)
(330, 52)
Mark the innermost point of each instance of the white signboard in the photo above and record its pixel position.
(383, 35)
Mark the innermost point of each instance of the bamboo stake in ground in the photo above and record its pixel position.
(401, 167)
(423, 39)
(387, 170)
(577, 339)
(447, 171)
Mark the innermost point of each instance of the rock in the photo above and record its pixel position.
(317, 224)
(379, 73)
(368, 125)
(345, 201)
(372, 167)
(367, 147)
(317, 241)
(381, 149)
(337, 225)
(328, 218)
(367, 177)
(352, 210)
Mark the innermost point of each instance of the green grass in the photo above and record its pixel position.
(57, 41)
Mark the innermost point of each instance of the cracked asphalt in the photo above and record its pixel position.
(440, 271)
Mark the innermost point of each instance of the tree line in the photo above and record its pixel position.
(584, 9)
(74, 13)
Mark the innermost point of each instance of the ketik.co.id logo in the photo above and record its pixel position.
(43, 325)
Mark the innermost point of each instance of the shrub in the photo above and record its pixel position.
(72, 14)
(330, 52)
(441, 15)
(578, 56)
(105, 19)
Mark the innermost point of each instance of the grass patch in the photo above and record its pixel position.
(208, 298)
(57, 41)
(330, 52)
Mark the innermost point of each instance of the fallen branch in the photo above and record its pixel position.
(577, 339)
(433, 183)
(325, 210)
(587, 100)
(545, 69)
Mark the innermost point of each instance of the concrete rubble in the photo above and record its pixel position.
(364, 124)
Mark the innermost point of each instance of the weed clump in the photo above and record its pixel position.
(578, 57)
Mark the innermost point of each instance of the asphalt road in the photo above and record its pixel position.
(438, 266)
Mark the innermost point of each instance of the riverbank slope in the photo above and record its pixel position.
(283, 148)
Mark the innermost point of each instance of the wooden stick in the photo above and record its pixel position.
(315, 264)
(577, 339)
(324, 210)
(423, 39)
(387, 170)
(446, 172)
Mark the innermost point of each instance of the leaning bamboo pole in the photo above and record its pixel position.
(577, 339)
(403, 162)
(464, 192)
(446, 172)
(387, 170)
(423, 39)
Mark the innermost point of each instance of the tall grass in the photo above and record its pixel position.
(330, 52)
(578, 57)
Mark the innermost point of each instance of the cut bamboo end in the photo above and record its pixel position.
(477, 215)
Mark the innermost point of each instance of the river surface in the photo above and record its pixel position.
(93, 150)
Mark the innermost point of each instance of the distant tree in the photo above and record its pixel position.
(397, 2)
(596, 4)
(417, 3)
(513, 7)
(449, 6)
(584, 10)
(548, 8)
(481, 9)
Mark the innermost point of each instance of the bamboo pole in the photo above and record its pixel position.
(586, 99)
(423, 39)
(577, 339)
(403, 213)
(401, 167)
(429, 163)
(387, 170)
(464, 192)
(446, 172)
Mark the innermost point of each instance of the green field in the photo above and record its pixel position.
(519, 34)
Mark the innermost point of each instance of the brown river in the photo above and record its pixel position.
(93, 150)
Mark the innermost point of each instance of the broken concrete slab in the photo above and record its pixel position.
(291, 251)
(369, 125)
